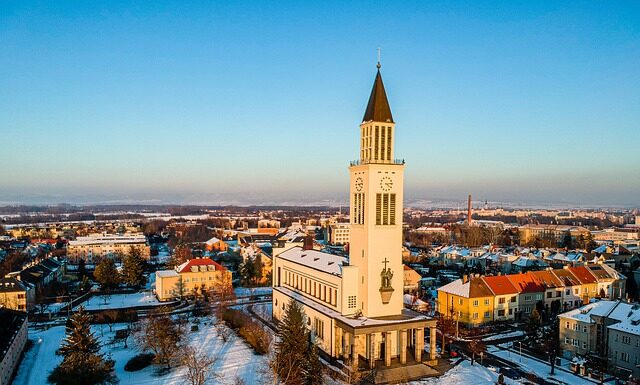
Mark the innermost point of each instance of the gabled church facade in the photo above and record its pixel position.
(354, 305)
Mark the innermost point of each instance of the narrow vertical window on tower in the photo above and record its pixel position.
(392, 209)
(362, 200)
(376, 141)
(389, 144)
(378, 209)
(385, 209)
(383, 143)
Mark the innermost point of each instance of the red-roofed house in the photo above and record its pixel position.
(589, 282)
(505, 302)
(531, 293)
(196, 276)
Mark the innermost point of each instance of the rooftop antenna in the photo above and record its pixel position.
(379, 65)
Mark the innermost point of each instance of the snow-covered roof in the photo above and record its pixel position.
(456, 288)
(318, 260)
(166, 273)
(212, 241)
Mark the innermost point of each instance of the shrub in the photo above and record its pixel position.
(249, 329)
(139, 362)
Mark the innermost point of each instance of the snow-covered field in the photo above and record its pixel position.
(120, 301)
(234, 358)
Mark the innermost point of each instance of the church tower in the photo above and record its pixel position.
(376, 196)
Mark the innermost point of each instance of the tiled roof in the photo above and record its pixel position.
(583, 274)
(525, 283)
(567, 278)
(186, 266)
(547, 278)
(500, 285)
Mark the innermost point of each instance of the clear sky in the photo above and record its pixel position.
(260, 101)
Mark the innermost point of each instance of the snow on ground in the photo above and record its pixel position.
(517, 333)
(465, 373)
(234, 358)
(248, 291)
(264, 310)
(120, 301)
(541, 369)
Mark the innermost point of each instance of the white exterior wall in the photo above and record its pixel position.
(371, 244)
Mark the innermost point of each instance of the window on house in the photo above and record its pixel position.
(475, 302)
(549, 294)
(459, 301)
(500, 313)
(486, 302)
(351, 301)
(475, 315)
(501, 300)
(513, 299)
(487, 314)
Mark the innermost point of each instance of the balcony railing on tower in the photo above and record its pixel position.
(360, 162)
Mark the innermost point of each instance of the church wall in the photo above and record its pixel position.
(310, 283)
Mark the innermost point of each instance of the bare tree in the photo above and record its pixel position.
(199, 366)
(160, 334)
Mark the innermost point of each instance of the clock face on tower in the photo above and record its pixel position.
(386, 183)
(359, 184)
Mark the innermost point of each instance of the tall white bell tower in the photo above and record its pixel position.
(376, 199)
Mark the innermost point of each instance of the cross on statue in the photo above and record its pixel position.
(385, 263)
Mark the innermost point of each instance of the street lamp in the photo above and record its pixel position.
(520, 343)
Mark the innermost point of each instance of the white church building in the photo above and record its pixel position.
(355, 305)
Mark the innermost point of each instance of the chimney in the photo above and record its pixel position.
(308, 243)
(465, 278)
(469, 211)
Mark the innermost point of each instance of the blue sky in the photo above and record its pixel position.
(249, 101)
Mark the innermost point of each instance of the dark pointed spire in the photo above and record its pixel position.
(378, 108)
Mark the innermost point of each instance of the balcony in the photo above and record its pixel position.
(361, 162)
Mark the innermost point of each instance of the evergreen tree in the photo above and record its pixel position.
(82, 363)
(313, 366)
(133, 268)
(291, 346)
(106, 274)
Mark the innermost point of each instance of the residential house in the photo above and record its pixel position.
(13, 294)
(531, 293)
(191, 277)
(572, 296)
(216, 245)
(468, 300)
(505, 301)
(411, 279)
(554, 289)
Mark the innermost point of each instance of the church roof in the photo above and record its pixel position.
(318, 260)
(378, 109)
